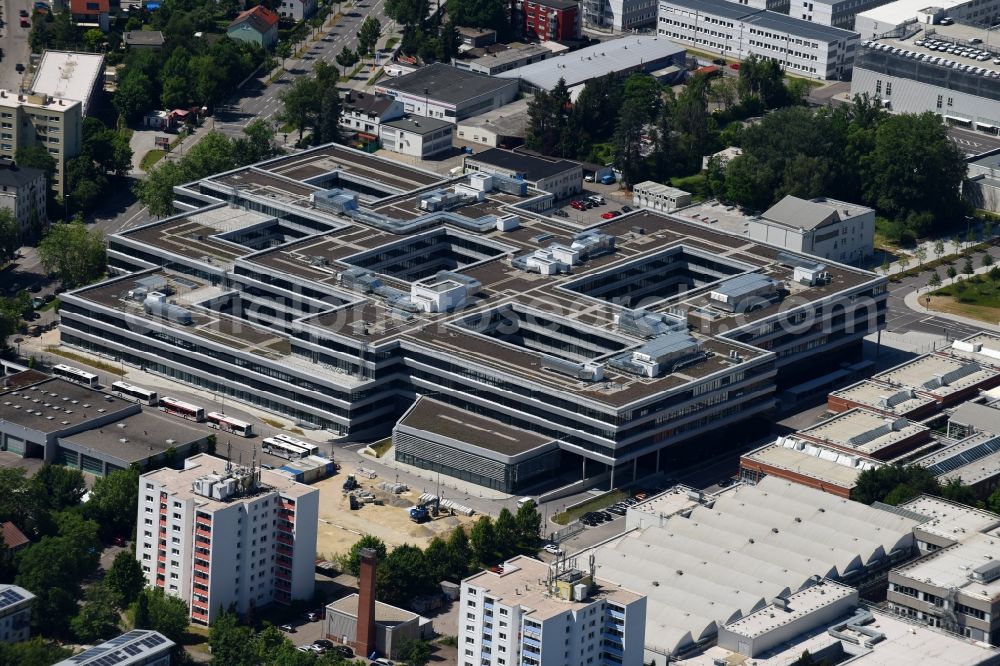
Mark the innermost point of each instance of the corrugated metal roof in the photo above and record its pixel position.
(742, 285)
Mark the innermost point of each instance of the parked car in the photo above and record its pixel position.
(597, 199)
(382, 661)
(552, 549)
(343, 651)
(287, 628)
(579, 205)
(324, 643)
(25, 23)
(608, 179)
(312, 616)
(627, 209)
(610, 215)
(589, 178)
(23, 12)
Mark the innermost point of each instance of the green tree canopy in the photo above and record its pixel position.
(98, 617)
(76, 254)
(353, 560)
(125, 579)
(893, 484)
(114, 502)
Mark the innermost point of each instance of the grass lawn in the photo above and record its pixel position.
(79, 358)
(977, 297)
(151, 158)
(596, 504)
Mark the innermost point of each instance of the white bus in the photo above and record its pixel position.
(225, 423)
(283, 449)
(312, 449)
(75, 375)
(183, 409)
(133, 392)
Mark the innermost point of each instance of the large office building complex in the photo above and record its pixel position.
(333, 287)
(536, 614)
(217, 534)
(736, 31)
(448, 93)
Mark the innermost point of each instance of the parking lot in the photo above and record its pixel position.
(614, 198)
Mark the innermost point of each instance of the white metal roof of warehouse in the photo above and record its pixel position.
(614, 55)
(752, 544)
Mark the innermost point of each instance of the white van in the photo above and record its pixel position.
(525, 500)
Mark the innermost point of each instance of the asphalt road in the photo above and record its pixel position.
(973, 143)
(264, 103)
(14, 42)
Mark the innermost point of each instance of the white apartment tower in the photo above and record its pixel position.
(529, 613)
(216, 534)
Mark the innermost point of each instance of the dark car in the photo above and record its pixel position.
(719, 61)
(19, 67)
(627, 209)
(23, 12)
(25, 23)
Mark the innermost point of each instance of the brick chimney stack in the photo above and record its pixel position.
(365, 643)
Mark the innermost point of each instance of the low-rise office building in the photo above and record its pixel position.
(657, 196)
(981, 187)
(15, 613)
(821, 227)
(828, 622)
(537, 614)
(562, 178)
(914, 72)
(416, 136)
(735, 31)
(447, 93)
(139, 647)
(505, 127)
(621, 57)
(501, 60)
(217, 534)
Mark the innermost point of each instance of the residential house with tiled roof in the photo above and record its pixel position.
(258, 25)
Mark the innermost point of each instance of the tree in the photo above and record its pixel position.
(52, 569)
(284, 51)
(403, 575)
(493, 14)
(98, 617)
(951, 272)
(529, 526)
(939, 248)
(893, 484)
(505, 533)
(10, 234)
(167, 614)
(37, 157)
(646, 93)
(921, 254)
(140, 617)
(300, 104)
(407, 13)
(628, 143)
(459, 557)
(762, 79)
(33, 652)
(352, 563)
(935, 280)
(914, 166)
(134, 95)
(987, 260)
(483, 540)
(347, 59)
(76, 254)
(368, 35)
(988, 227)
(114, 502)
(955, 491)
(231, 644)
(58, 487)
(967, 266)
(413, 652)
(125, 579)
(993, 501)
(328, 125)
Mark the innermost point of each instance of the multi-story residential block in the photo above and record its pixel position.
(217, 534)
(334, 287)
(91, 13)
(362, 116)
(70, 75)
(296, 10)
(552, 20)
(537, 614)
(23, 193)
(54, 123)
(15, 613)
(732, 30)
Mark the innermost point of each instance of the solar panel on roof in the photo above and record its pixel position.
(9, 597)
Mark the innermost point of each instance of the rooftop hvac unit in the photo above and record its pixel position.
(156, 304)
(580, 592)
(986, 573)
